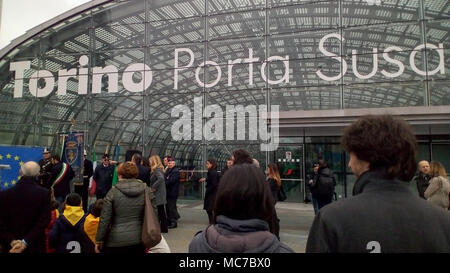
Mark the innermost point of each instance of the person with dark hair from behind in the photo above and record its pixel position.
(90, 226)
(67, 228)
(274, 180)
(120, 227)
(212, 182)
(323, 184)
(172, 176)
(144, 172)
(439, 189)
(241, 156)
(243, 213)
(383, 215)
(24, 213)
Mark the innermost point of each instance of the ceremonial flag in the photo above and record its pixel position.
(15, 157)
(72, 153)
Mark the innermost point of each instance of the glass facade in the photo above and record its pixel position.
(120, 68)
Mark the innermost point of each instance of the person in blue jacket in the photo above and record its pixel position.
(66, 233)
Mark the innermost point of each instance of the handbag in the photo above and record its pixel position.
(151, 231)
(281, 194)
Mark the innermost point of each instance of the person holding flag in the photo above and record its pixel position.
(87, 171)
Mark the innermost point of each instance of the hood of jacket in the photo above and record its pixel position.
(73, 214)
(131, 187)
(325, 171)
(90, 226)
(239, 236)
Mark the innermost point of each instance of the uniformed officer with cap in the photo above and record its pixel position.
(46, 166)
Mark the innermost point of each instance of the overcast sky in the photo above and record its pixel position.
(18, 16)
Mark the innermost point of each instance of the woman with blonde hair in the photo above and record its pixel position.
(158, 186)
(439, 189)
(274, 179)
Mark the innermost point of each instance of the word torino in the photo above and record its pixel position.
(396, 69)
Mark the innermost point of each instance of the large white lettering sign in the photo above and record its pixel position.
(82, 74)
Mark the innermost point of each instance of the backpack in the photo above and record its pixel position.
(325, 184)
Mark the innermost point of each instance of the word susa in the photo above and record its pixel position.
(213, 128)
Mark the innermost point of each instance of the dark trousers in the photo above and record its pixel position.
(276, 224)
(162, 218)
(82, 190)
(323, 200)
(136, 249)
(100, 195)
(210, 216)
(172, 212)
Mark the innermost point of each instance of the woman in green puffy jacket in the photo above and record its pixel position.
(120, 226)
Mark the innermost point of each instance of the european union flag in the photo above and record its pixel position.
(16, 156)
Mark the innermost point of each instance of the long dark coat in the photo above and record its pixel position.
(212, 182)
(24, 214)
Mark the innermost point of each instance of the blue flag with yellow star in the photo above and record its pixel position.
(15, 156)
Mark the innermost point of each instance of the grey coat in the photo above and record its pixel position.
(383, 216)
(237, 236)
(158, 184)
(122, 214)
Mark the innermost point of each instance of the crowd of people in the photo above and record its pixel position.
(41, 214)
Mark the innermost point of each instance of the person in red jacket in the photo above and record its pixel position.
(53, 217)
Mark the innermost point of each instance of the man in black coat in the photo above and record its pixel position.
(423, 178)
(144, 172)
(24, 213)
(61, 175)
(383, 215)
(103, 176)
(88, 171)
(172, 176)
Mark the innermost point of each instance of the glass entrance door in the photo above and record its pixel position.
(290, 161)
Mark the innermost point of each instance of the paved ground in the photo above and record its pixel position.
(295, 221)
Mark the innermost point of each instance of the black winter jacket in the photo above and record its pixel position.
(323, 172)
(274, 189)
(382, 216)
(172, 182)
(103, 176)
(422, 182)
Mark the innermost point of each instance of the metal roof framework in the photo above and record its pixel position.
(122, 32)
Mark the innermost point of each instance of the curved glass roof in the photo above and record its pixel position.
(119, 33)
